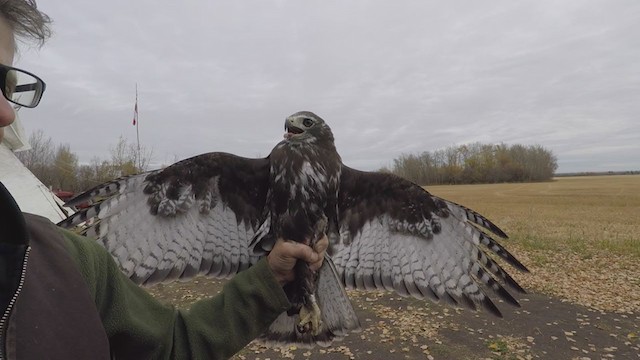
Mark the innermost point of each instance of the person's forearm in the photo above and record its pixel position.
(219, 327)
(139, 326)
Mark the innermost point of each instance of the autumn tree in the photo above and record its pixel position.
(59, 168)
(478, 163)
(127, 159)
(64, 168)
(39, 158)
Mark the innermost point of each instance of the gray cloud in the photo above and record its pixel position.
(389, 78)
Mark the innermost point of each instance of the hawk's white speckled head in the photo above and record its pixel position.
(306, 126)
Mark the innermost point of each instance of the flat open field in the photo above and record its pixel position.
(579, 236)
(570, 213)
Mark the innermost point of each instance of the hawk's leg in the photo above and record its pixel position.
(304, 300)
(310, 315)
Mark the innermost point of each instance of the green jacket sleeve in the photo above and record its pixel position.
(139, 327)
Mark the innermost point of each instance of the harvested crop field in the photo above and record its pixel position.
(574, 230)
(579, 236)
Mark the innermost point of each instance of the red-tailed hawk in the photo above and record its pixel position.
(217, 214)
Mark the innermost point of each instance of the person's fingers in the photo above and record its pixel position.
(286, 253)
(292, 251)
(315, 266)
(304, 252)
(281, 261)
(321, 245)
(320, 248)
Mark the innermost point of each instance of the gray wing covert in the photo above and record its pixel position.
(394, 235)
(197, 216)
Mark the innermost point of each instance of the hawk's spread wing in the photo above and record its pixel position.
(196, 216)
(394, 235)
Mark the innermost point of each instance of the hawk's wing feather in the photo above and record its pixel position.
(471, 216)
(197, 216)
(396, 236)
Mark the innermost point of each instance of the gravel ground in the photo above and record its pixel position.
(545, 327)
(598, 280)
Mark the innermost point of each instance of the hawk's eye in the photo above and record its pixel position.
(307, 122)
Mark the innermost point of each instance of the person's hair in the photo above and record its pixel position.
(27, 22)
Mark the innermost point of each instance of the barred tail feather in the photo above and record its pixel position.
(101, 191)
(338, 315)
(472, 216)
(498, 249)
(79, 217)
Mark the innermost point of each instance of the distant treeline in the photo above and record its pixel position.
(477, 163)
(599, 173)
(57, 166)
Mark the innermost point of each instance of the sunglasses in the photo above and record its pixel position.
(21, 87)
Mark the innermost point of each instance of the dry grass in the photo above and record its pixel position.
(580, 236)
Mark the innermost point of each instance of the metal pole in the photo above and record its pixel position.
(137, 131)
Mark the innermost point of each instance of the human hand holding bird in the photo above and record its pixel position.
(285, 254)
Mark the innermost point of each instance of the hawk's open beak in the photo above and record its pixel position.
(291, 130)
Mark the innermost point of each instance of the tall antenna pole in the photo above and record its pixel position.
(136, 120)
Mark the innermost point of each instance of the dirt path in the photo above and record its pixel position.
(404, 328)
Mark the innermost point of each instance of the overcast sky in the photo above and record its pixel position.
(389, 77)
